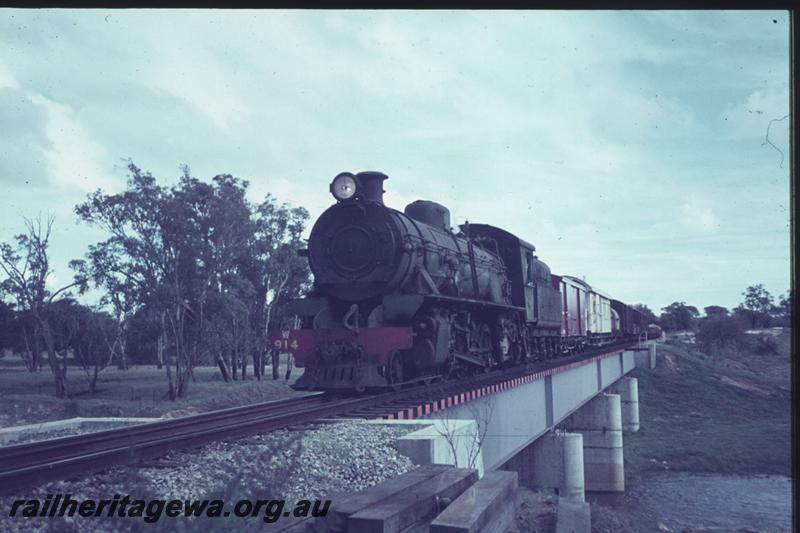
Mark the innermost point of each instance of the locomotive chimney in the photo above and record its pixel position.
(372, 186)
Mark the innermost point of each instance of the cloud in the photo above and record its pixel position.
(24, 145)
(188, 70)
(749, 118)
(74, 159)
(698, 216)
(7, 80)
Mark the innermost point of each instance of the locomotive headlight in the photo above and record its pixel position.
(343, 186)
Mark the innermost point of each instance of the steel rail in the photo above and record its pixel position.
(12, 454)
(52, 449)
(71, 456)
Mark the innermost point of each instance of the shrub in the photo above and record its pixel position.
(766, 344)
(721, 333)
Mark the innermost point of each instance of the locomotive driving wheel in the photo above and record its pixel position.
(453, 369)
(394, 369)
(482, 342)
(504, 348)
(506, 335)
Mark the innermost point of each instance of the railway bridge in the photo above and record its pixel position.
(559, 428)
(555, 425)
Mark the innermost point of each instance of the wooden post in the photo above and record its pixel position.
(276, 359)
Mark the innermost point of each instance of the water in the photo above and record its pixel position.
(682, 500)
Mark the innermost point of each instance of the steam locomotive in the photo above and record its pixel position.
(401, 298)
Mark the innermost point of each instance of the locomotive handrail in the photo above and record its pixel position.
(434, 247)
(471, 250)
(484, 303)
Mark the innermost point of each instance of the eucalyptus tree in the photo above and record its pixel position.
(678, 316)
(203, 259)
(151, 255)
(649, 316)
(716, 310)
(7, 326)
(26, 266)
(756, 306)
(94, 341)
(275, 267)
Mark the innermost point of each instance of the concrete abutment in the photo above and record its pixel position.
(645, 357)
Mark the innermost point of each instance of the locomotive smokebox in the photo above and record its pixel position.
(429, 213)
(371, 186)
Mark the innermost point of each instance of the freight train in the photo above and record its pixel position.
(399, 297)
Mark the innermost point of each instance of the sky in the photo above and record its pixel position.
(627, 146)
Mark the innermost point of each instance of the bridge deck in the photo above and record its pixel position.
(512, 414)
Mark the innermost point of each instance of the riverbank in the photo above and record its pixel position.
(712, 430)
(730, 416)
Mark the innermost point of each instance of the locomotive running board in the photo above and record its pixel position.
(480, 303)
(405, 306)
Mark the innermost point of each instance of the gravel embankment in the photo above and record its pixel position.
(308, 463)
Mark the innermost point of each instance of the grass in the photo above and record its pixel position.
(139, 391)
(535, 512)
(693, 420)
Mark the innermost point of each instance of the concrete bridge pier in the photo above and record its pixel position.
(628, 390)
(599, 421)
(554, 462)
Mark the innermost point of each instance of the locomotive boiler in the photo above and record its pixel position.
(400, 297)
(360, 250)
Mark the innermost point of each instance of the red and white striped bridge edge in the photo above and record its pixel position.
(418, 411)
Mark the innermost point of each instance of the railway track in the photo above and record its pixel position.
(29, 464)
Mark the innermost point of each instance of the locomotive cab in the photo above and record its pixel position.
(530, 279)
